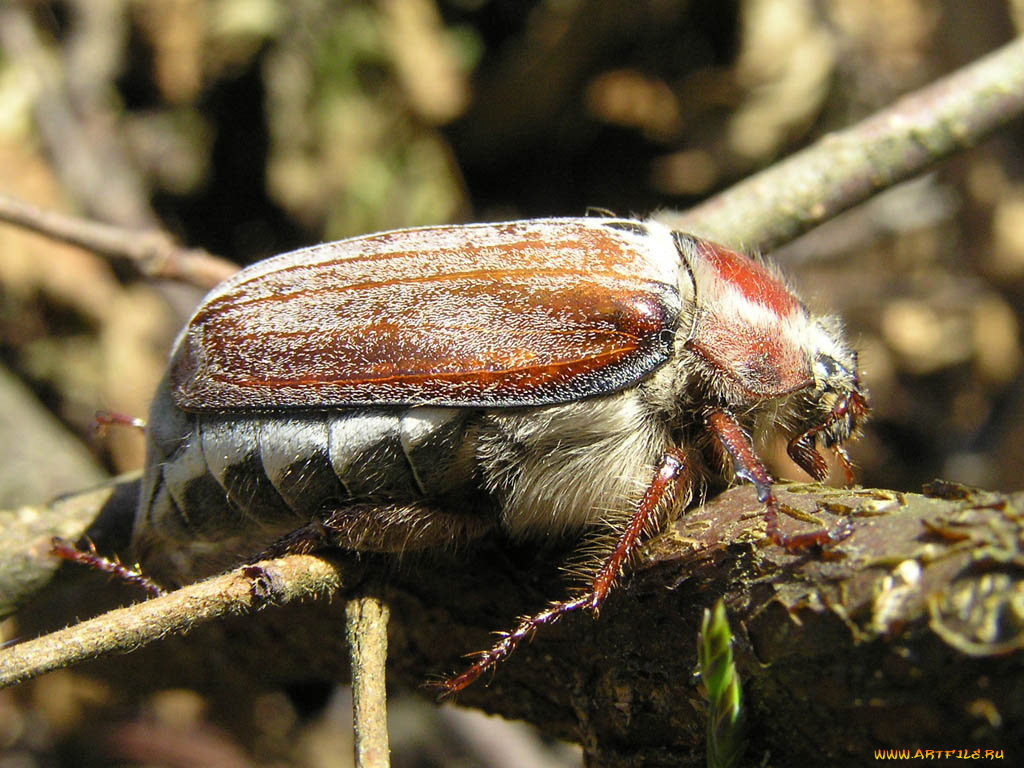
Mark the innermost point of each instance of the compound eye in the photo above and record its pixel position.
(826, 367)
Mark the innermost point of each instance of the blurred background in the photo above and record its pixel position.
(251, 127)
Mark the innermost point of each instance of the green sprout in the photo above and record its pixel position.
(721, 688)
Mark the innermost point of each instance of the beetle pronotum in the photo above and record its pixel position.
(410, 389)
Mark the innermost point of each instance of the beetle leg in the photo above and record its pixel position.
(801, 448)
(672, 472)
(381, 528)
(105, 419)
(844, 461)
(749, 467)
(90, 558)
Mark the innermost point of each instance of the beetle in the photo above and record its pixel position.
(418, 388)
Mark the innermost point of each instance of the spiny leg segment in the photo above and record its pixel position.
(801, 447)
(90, 558)
(672, 471)
(749, 467)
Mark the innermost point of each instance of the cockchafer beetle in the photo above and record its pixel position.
(418, 388)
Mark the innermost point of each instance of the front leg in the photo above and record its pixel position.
(749, 467)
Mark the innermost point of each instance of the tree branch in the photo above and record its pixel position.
(154, 253)
(921, 589)
(367, 634)
(243, 590)
(847, 167)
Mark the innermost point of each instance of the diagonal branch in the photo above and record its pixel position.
(153, 252)
(243, 590)
(847, 167)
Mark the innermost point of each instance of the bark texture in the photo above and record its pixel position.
(907, 635)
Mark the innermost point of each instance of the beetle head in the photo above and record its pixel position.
(759, 352)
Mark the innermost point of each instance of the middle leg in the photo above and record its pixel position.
(672, 472)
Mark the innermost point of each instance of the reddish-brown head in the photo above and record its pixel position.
(757, 347)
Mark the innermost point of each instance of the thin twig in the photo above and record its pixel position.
(367, 631)
(847, 167)
(239, 591)
(153, 252)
